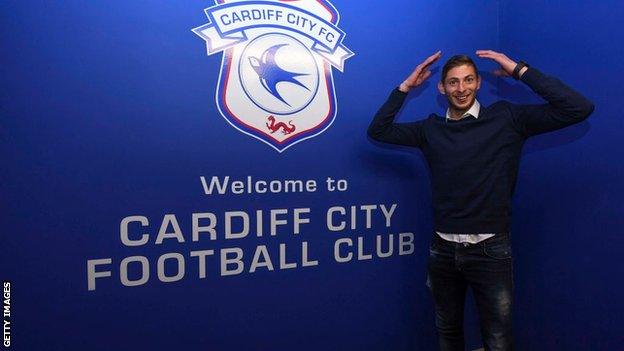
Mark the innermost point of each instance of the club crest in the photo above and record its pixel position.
(276, 81)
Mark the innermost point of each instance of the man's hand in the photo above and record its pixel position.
(420, 74)
(507, 64)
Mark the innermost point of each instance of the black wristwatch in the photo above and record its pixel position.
(516, 71)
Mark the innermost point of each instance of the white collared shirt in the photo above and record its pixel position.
(466, 238)
(472, 111)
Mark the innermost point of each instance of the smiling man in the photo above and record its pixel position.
(460, 82)
(473, 153)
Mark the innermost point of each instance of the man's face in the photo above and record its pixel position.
(460, 87)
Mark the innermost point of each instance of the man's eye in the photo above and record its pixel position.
(469, 80)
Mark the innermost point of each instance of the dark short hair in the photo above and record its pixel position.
(456, 61)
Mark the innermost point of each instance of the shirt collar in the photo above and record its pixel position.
(472, 111)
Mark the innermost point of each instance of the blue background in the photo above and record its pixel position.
(107, 110)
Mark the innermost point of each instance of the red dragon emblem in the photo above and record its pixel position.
(274, 127)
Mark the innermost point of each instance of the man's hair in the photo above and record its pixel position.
(456, 61)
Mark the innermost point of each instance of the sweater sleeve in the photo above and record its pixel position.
(383, 129)
(564, 108)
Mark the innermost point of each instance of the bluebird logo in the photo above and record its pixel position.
(270, 73)
(276, 79)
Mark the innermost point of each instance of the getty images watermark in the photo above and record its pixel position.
(6, 313)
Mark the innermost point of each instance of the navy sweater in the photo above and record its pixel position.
(474, 162)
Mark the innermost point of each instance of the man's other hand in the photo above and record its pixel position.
(420, 74)
(507, 65)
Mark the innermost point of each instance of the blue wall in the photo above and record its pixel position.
(568, 208)
(107, 110)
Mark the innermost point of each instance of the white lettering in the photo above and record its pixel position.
(237, 260)
(92, 274)
(162, 233)
(337, 244)
(330, 219)
(283, 263)
(229, 234)
(275, 222)
(261, 253)
(210, 228)
(161, 267)
(361, 255)
(305, 262)
(388, 213)
(220, 186)
(123, 274)
(406, 239)
(201, 255)
(380, 252)
(298, 220)
(123, 231)
(214, 182)
(368, 209)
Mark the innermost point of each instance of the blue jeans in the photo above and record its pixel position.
(487, 268)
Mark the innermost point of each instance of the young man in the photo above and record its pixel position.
(473, 154)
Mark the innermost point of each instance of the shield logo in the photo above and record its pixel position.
(276, 82)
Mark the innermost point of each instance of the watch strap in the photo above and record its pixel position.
(516, 71)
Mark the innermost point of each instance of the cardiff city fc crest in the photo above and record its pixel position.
(276, 81)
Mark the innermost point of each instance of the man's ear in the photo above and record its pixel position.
(478, 82)
(441, 88)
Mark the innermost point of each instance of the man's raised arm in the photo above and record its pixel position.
(565, 106)
(383, 128)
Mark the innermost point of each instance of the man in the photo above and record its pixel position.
(473, 155)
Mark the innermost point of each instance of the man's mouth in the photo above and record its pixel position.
(462, 99)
